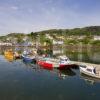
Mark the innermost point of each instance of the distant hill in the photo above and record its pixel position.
(92, 30)
(86, 35)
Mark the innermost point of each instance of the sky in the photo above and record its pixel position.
(25, 16)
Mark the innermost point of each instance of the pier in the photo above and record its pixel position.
(87, 64)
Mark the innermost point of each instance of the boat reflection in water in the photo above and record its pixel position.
(89, 79)
(62, 74)
(66, 73)
(31, 64)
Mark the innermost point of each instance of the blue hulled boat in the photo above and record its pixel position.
(28, 58)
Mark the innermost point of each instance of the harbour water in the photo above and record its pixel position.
(23, 81)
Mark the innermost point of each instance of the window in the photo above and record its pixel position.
(66, 59)
(83, 66)
(90, 70)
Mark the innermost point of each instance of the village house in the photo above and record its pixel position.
(96, 37)
(60, 42)
(5, 44)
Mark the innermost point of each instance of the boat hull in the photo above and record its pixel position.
(52, 65)
(66, 66)
(28, 59)
(9, 55)
(45, 65)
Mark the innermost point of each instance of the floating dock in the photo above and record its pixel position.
(83, 63)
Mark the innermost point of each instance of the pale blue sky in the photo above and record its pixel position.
(36, 15)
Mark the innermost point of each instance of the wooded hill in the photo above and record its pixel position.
(92, 30)
(86, 31)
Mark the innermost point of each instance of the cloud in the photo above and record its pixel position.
(8, 8)
(36, 15)
(14, 7)
(30, 10)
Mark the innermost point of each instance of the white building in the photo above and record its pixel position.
(48, 36)
(57, 42)
(96, 37)
(5, 44)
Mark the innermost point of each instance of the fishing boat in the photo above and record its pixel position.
(61, 63)
(9, 55)
(28, 57)
(90, 71)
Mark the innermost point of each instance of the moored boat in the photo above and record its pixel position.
(90, 71)
(28, 57)
(9, 55)
(61, 63)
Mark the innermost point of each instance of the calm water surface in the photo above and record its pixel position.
(20, 81)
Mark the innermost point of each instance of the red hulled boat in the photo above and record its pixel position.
(61, 63)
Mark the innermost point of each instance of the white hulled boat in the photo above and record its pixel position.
(90, 71)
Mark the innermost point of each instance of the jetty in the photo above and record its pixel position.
(87, 64)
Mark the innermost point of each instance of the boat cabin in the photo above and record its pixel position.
(89, 69)
(64, 59)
